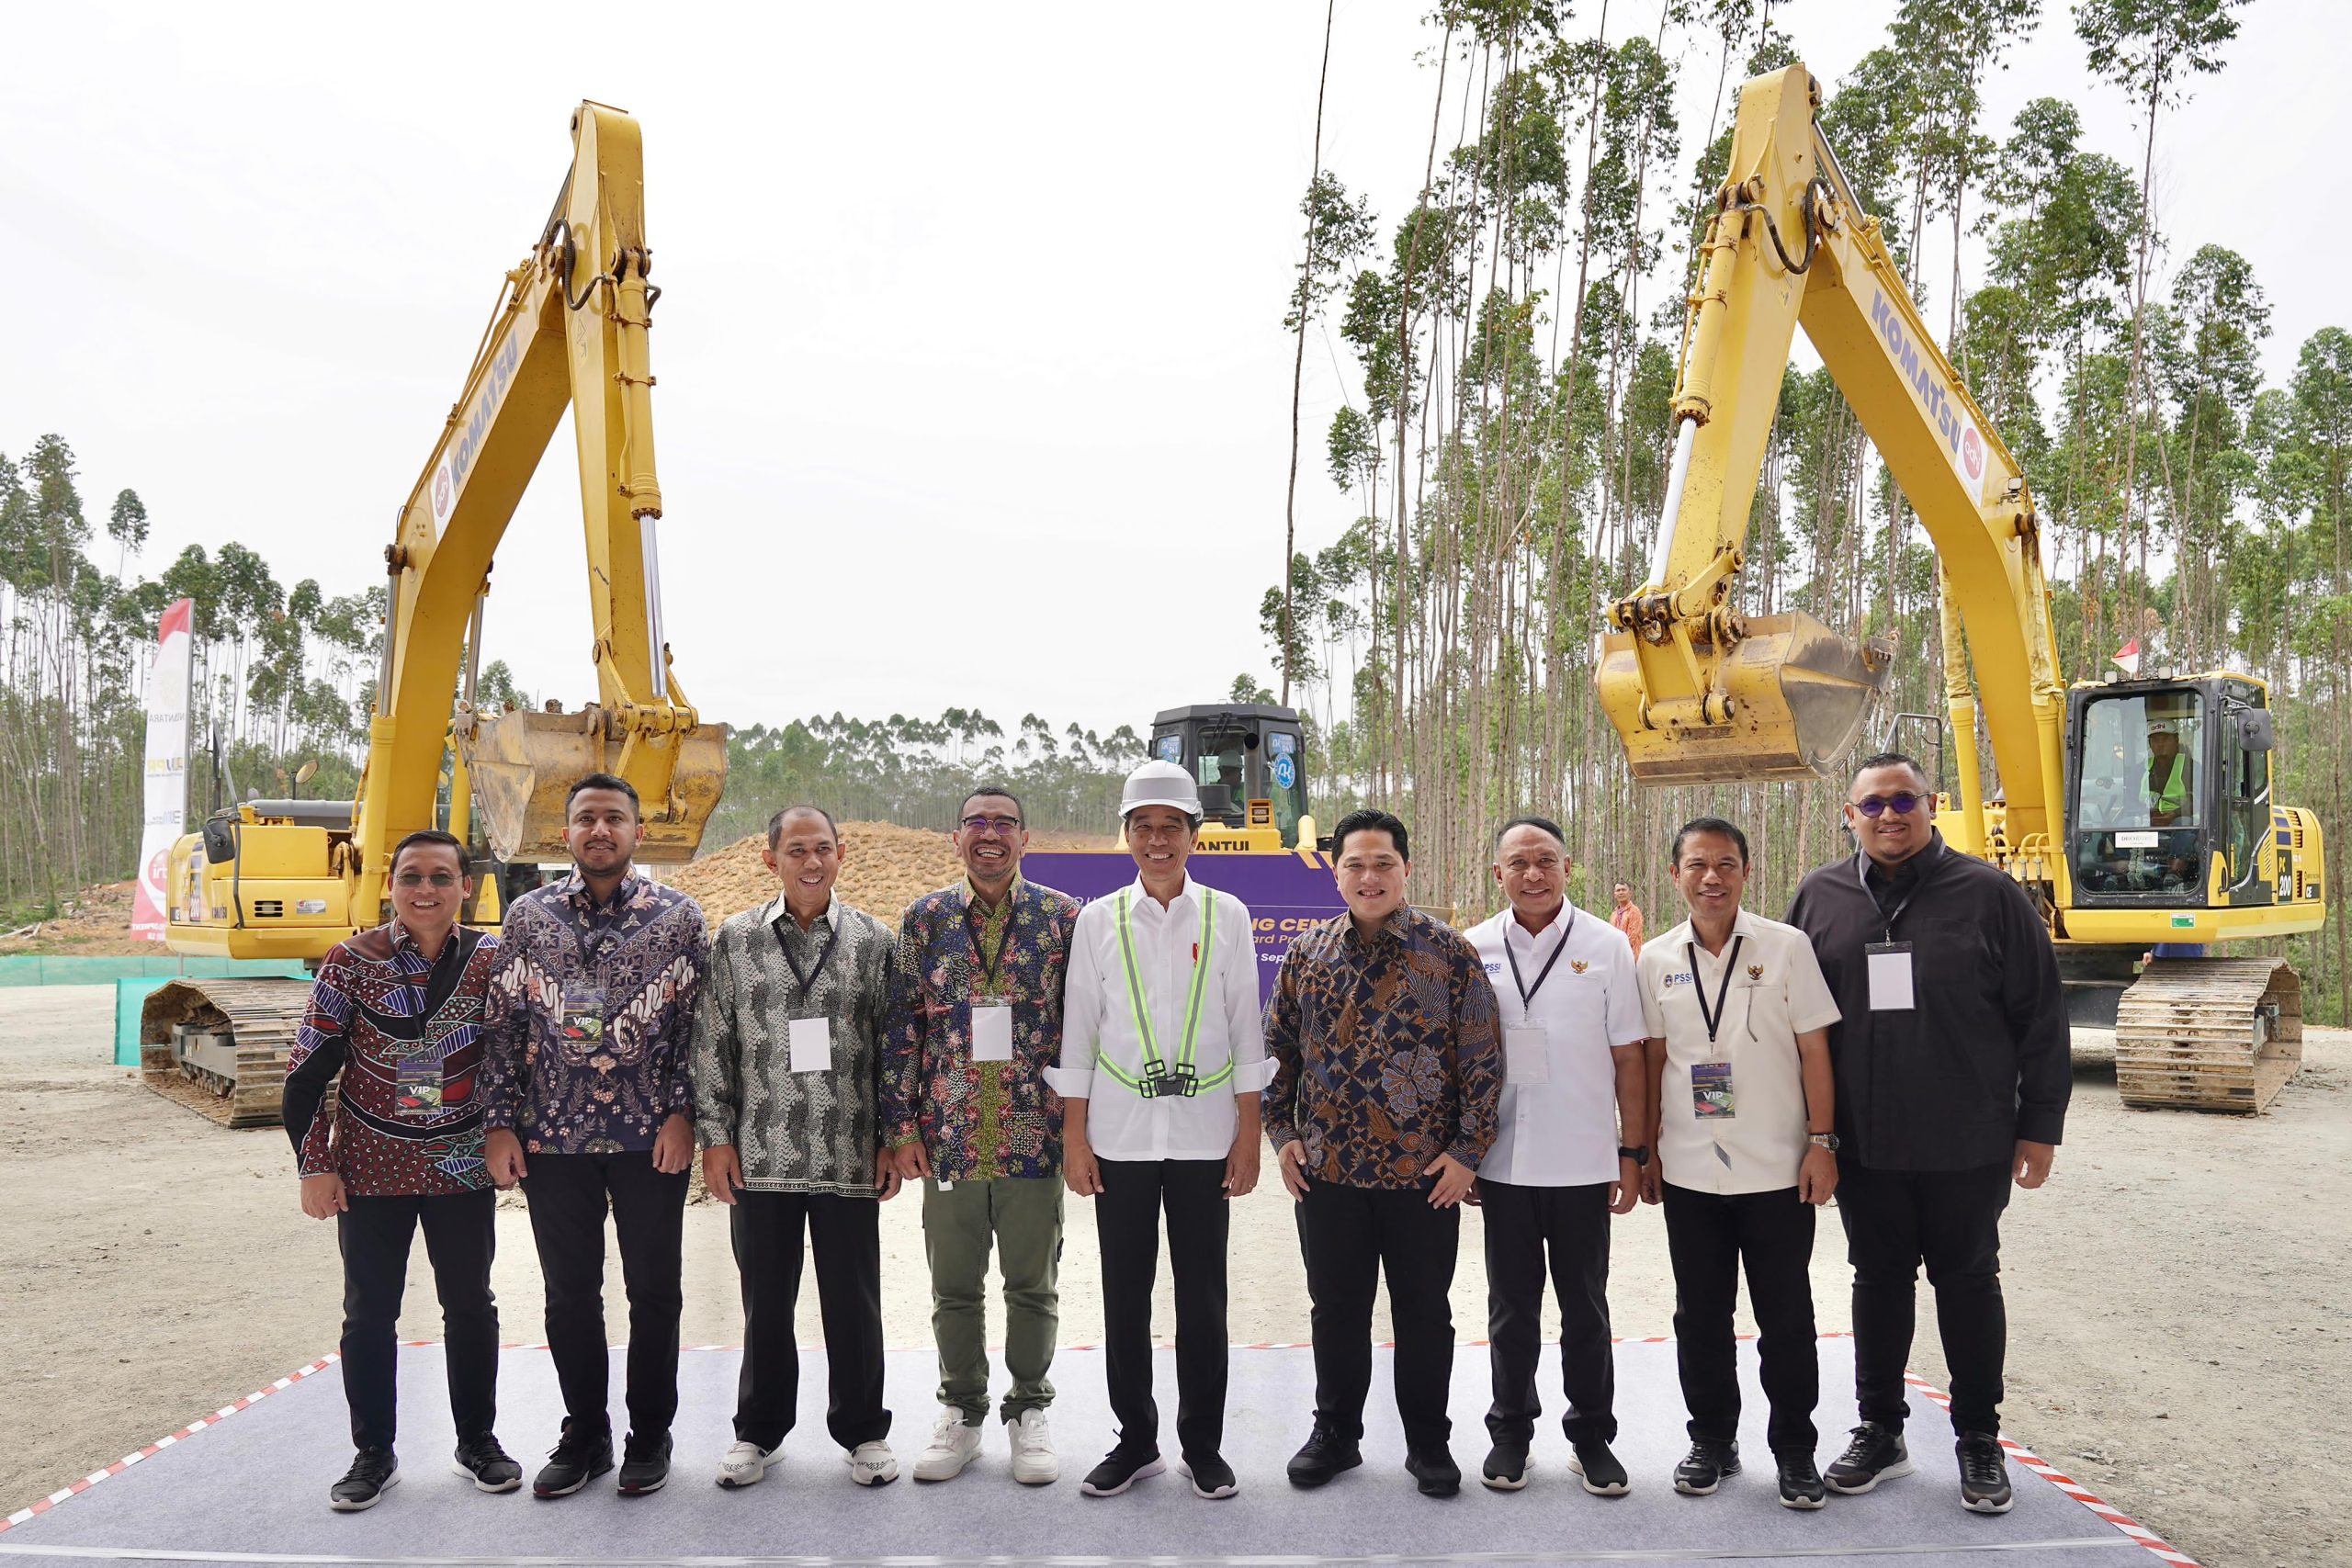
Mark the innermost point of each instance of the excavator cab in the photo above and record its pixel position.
(2168, 793)
(1249, 761)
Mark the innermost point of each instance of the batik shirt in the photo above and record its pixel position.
(1386, 1054)
(793, 1131)
(407, 1034)
(590, 1009)
(978, 1119)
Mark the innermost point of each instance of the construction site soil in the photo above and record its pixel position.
(2179, 1295)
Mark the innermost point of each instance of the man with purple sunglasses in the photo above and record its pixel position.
(1952, 1076)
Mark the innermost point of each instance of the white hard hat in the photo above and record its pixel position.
(1160, 784)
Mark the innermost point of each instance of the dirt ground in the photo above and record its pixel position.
(2180, 1294)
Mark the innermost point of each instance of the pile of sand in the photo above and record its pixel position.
(885, 868)
(95, 923)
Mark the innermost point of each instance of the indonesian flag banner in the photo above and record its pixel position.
(2128, 656)
(167, 691)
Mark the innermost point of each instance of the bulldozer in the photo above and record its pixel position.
(288, 879)
(2138, 814)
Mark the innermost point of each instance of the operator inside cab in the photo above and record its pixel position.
(2172, 777)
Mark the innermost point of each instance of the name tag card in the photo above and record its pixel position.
(1712, 1097)
(1527, 1053)
(992, 1031)
(1890, 972)
(417, 1087)
(812, 1044)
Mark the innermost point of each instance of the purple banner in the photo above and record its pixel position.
(1286, 893)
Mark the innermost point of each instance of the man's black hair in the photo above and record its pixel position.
(995, 789)
(604, 781)
(1896, 760)
(1369, 820)
(428, 836)
(776, 823)
(1709, 825)
(1545, 823)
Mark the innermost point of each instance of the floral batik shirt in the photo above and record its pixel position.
(407, 1034)
(1386, 1053)
(592, 1009)
(978, 1121)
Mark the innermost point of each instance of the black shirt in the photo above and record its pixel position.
(1982, 1060)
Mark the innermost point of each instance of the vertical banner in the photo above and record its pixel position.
(167, 691)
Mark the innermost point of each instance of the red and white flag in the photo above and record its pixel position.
(167, 695)
(2128, 656)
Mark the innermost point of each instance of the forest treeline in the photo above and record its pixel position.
(1511, 344)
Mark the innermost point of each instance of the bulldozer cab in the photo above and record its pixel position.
(1248, 760)
(2168, 792)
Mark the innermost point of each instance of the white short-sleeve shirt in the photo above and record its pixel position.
(1732, 1114)
(1561, 1131)
(1098, 1023)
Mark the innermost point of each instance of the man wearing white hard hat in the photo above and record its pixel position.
(1162, 1062)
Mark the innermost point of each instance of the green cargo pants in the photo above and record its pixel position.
(1022, 1219)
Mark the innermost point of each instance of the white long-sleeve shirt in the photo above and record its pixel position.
(1098, 1022)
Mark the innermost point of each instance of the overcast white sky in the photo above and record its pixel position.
(972, 315)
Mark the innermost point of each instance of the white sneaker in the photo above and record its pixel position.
(955, 1443)
(1034, 1463)
(744, 1463)
(873, 1464)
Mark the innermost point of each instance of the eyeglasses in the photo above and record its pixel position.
(1005, 825)
(1901, 804)
(410, 881)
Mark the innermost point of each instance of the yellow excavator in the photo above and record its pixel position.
(2137, 813)
(288, 879)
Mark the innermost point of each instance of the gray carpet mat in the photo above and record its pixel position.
(253, 1489)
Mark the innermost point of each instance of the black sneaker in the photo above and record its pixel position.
(576, 1460)
(373, 1473)
(1212, 1477)
(1506, 1466)
(1324, 1455)
(1706, 1467)
(645, 1464)
(1433, 1471)
(1603, 1476)
(1119, 1471)
(488, 1466)
(1800, 1482)
(1876, 1454)
(1984, 1474)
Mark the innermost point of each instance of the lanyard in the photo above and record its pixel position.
(832, 935)
(1526, 991)
(1862, 878)
(989, 972)
(1713, 1017)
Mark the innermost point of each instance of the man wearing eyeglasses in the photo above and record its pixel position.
(1952, 1072)
(397, 1011)
(974, 1019)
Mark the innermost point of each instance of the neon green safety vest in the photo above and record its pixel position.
(1155, 1079)
(2171, 796)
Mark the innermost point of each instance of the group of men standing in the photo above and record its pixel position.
(1900, 1042)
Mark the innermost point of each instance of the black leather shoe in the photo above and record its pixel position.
(577, 1459)
(1984, 1474)
(1800, 1482)
(1324, 1455)
(1212, 1477)
(1434, 1471)
(1506, 1466)
(645, 1464)
(1706, 1467)
(1876, 1454)
(1603, 1476)
(488, 1466)
(373, 1473)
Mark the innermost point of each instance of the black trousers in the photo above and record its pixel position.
(1352, 1236)
(846, 1235)
(459, 1238)
(1570, 1224)
(1709, 1237)
(570, 1195)
(1949, 1220)
(1127, 1222)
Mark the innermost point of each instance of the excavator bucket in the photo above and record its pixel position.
(1798, 693)
(521, 765)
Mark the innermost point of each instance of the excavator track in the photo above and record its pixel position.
(219, 1046)
(2208, 1034)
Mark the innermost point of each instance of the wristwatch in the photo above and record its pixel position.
(1822, 1141)
(1639, 1154)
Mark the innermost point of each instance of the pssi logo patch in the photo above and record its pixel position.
(1677, 977)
